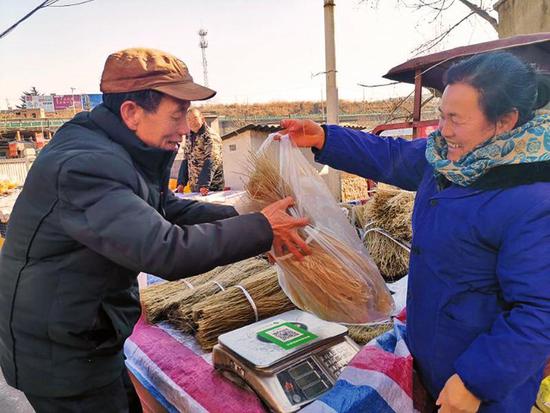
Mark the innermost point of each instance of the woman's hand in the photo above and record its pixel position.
(456, 398)
(303, 133)
(285, 229)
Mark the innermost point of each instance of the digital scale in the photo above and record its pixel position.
(288, 360)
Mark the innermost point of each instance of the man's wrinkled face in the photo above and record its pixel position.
(195, 120)
(462, 122)
(164, 128)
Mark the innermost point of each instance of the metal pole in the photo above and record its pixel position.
(203, 45)
(330, 62)
(72, 96)
(333, 178)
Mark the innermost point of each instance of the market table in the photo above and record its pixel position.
(177, 374)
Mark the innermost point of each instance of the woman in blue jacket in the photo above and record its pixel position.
(478, 302)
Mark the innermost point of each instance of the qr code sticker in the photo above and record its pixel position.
(284, 333)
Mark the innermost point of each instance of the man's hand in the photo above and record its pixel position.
(180, 189)
(456, 398)
(204, 191)
(285, 229)
(303, 133)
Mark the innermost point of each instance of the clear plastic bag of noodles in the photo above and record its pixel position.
(338, 281)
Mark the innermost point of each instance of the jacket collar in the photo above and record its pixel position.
(499, 177)
(153, 161)
(507, 176)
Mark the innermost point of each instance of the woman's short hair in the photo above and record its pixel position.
(505, 83)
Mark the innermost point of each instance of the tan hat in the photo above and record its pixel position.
(131, 70)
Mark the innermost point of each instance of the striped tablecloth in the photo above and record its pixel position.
(174, 369)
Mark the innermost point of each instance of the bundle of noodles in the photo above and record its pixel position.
(231, 309)
(364, 334)
(329, 283)
(335, 282)
(180, 314)
(159, 298)
(388, 230)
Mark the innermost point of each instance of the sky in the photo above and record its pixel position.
(259, 50)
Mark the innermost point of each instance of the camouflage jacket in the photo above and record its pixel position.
(202, 165)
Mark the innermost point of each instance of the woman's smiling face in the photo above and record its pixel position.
(462, 122)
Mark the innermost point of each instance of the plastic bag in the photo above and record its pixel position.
(338, 281)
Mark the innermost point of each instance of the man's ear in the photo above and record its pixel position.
(507, 122)
(131, 114)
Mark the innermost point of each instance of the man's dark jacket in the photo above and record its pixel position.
(94, 212)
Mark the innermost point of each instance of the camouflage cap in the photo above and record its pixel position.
(136, 69)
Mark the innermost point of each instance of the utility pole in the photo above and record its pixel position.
(72, 97)
(333, 178)
(204, 44)
(330, 63)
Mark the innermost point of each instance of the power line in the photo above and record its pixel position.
(43, 5)
(73, 4)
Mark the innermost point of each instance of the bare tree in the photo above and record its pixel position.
(436, 9)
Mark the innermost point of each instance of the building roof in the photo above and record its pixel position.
(253, 127)
(533, 48)
(271, 129)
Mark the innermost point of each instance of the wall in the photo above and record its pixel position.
(234, 162)
(15, 169)
(23, 114)
(522, 17)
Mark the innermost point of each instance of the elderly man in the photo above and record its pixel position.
(94, 212)
(202, 167)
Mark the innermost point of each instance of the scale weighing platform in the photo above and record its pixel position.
(288, 360)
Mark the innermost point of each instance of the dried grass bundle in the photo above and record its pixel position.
(331, 284)
(335, 282)
(157, 299)
(388, 215)
(231, 309)
(391, 258)
(265, 184)
(361, 214)
(394, 215)
(364, 334)
(180, 314)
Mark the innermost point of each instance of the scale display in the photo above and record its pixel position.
(305, 381)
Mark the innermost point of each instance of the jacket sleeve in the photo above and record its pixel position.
(185, 212)
(517, 346)
(205, 175)
(99, 208)
(394, 161)
(183, 173)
